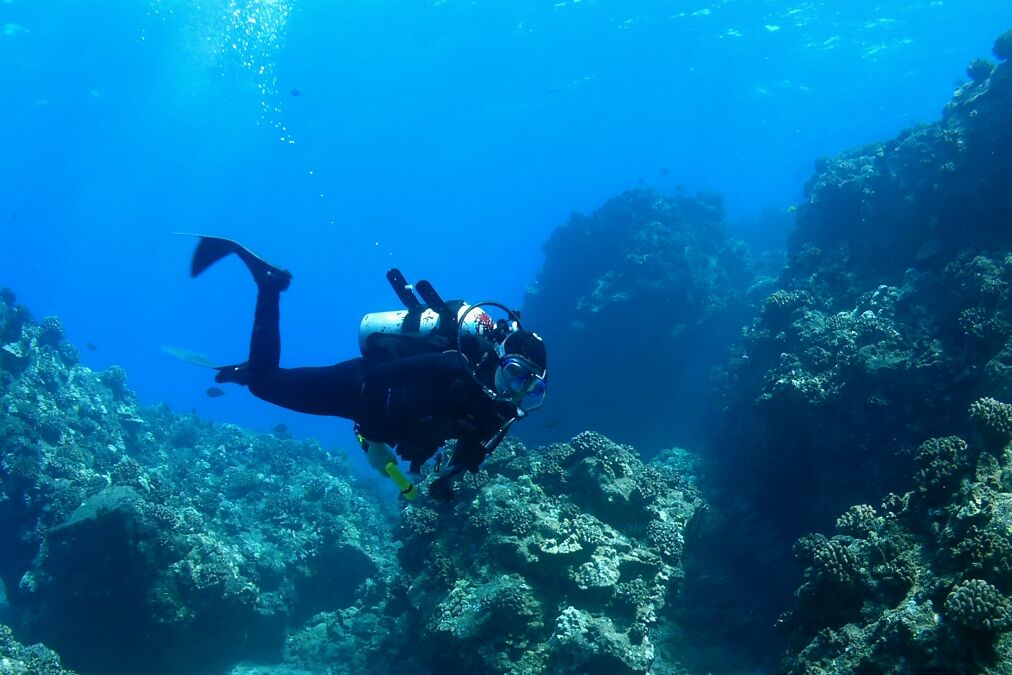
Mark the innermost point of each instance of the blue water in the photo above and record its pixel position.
(447, 138)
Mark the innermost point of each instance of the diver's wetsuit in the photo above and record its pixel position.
(415, 403)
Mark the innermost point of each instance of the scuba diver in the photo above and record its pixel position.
(433, 372)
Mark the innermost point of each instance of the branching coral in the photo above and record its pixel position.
(993, 420)
(941, 462)
(977, 606)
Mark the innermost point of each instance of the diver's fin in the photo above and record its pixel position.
(212, 249)
(236, 374)
(194, 358)
(209, 251)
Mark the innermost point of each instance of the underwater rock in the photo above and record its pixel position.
(1003, 46)
(17, 659)
(979, 70)
(893, 314)
(624, 294)
(566, 558)
(921, 587)
(141, 541)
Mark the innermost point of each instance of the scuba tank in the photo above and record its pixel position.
(428, 324)
(423, 322)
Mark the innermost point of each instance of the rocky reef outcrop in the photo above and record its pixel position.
(921, 582)
(637, 301)
(565, 558)
(893, 314)
(18, 659)
(143, 541)
(140, 541)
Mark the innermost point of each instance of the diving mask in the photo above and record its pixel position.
(521, 381)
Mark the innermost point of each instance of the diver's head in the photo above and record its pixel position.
(523, 365)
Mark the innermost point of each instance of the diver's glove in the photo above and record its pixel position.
(440, 489)
(381, 457)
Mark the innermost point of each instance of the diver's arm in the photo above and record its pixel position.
(472, 449)
(468, 455)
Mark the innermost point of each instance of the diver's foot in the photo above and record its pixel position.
(237, 374)
(267, 276)
(212, 249)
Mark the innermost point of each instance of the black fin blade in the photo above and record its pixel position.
(209, 251)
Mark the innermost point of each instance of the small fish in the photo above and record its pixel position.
(295, 92)
(214, 392)
(551, 424)
(90, 346)
(281, 429)
(14, 217)
(664, 171)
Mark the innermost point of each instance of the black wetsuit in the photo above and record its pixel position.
(414, 403)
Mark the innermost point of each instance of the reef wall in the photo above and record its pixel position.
(892, 315)
(138, 541)
(637, 301)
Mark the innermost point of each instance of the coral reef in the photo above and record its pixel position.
(141, 541)
(892, 315)
(566, 558)
(922, 585)
(17, 659)
(648, 278)
(1003, 46)
(145, 541)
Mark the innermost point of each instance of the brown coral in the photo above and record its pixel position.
(993, 419)
(941, 461)
(976, 605)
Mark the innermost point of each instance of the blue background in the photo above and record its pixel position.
(447, 138)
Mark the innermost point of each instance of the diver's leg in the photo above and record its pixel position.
(328, 390)
(265, 339)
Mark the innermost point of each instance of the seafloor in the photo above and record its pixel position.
(846, 506)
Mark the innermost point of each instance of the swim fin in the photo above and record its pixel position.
(212, 249)
(236, 374)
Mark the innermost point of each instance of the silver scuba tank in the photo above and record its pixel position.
(421, 322)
